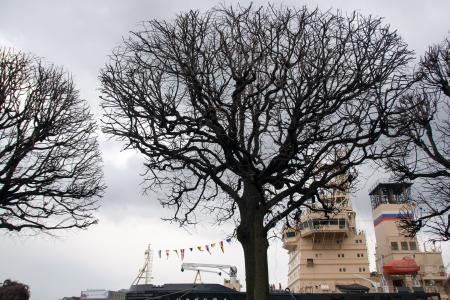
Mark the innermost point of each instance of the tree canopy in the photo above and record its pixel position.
(50, 173)
(251, 112)
(421, 144)
(13, 290)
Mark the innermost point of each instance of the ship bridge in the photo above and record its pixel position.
(314, 226)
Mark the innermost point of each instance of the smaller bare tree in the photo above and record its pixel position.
(422, 145)
(50, 173)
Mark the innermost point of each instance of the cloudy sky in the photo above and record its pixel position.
(79, 35)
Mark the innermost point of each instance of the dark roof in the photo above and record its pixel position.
(352, 288)
(212, 287)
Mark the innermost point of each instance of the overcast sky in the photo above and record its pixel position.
(79, 35)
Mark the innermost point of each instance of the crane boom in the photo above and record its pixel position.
(232, 270)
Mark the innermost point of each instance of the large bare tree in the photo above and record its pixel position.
(249, 112)
(50, 173)
(421, 144)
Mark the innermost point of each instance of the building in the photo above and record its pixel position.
(400, 262)
(102, 295)
(327, 253)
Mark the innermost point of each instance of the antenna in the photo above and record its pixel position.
(146, 273)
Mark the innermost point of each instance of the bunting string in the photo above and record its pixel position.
(181, 253)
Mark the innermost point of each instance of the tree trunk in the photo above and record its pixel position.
(253, 238)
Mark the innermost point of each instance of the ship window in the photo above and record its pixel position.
(290, 234)
(343, 269)
(394, 246)
(412, 246)
(357, 255)
(339, 255)
(364, 269)
(333, 222)
(340, 269)
(404, 245)
(360, 270)
(356, 241)
(316, 224)
(362, 254)
(342, 255)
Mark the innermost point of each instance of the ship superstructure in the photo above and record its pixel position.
(327, 253)
(400, 262)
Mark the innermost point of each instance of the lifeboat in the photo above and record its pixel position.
(404, 266)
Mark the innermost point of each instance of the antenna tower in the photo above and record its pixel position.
(145, 275)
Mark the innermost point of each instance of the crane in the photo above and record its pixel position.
(227, 269)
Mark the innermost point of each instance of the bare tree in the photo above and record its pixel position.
(422, 144)
(50, 173)
(252, 111)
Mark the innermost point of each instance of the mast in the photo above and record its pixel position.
(146, 272)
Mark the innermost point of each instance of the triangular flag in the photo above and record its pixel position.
(207, 249)
(167, 253)
(159, 253)
(182, 254)
(228, 240)
(221, 246)
(191, 249)
(213, 245)
(199, 248)
(176, 251)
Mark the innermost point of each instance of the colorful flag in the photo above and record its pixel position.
(182, 252)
